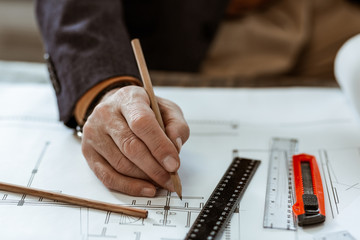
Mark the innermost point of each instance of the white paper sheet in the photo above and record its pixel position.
(348, 218)
(38, 151)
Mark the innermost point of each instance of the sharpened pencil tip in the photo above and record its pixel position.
(178, 190)
(177, 184)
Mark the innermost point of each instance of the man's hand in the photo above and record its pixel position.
(125, 146)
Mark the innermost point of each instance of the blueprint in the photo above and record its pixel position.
(39, 151)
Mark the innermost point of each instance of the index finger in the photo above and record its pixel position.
(141, 120)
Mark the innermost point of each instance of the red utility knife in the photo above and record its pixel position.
(309, 207)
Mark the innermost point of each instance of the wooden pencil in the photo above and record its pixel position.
(83, 202)
(153, 102)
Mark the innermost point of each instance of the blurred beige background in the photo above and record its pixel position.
(19, 36)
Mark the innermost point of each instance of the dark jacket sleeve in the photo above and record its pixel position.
(86, 42)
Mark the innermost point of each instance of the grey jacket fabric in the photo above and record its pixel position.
(87, 41)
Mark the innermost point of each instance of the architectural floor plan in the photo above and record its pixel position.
(38, 151)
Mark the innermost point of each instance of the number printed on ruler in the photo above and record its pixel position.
(279, 190)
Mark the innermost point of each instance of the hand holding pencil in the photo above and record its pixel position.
(127, 148)
(153, 103)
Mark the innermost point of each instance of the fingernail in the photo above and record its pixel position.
(148, 192)
(170, 186)
(179, 143)
(170, 164)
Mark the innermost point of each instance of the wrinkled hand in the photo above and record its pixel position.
(125, 146)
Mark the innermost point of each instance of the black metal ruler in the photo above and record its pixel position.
(279, 189)
(217, 211)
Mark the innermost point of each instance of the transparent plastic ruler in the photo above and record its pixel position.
(279, 190)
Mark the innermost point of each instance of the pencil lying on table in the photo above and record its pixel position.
(83, 202)
(153, 103)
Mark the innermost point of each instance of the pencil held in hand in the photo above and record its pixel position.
(153, 102)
